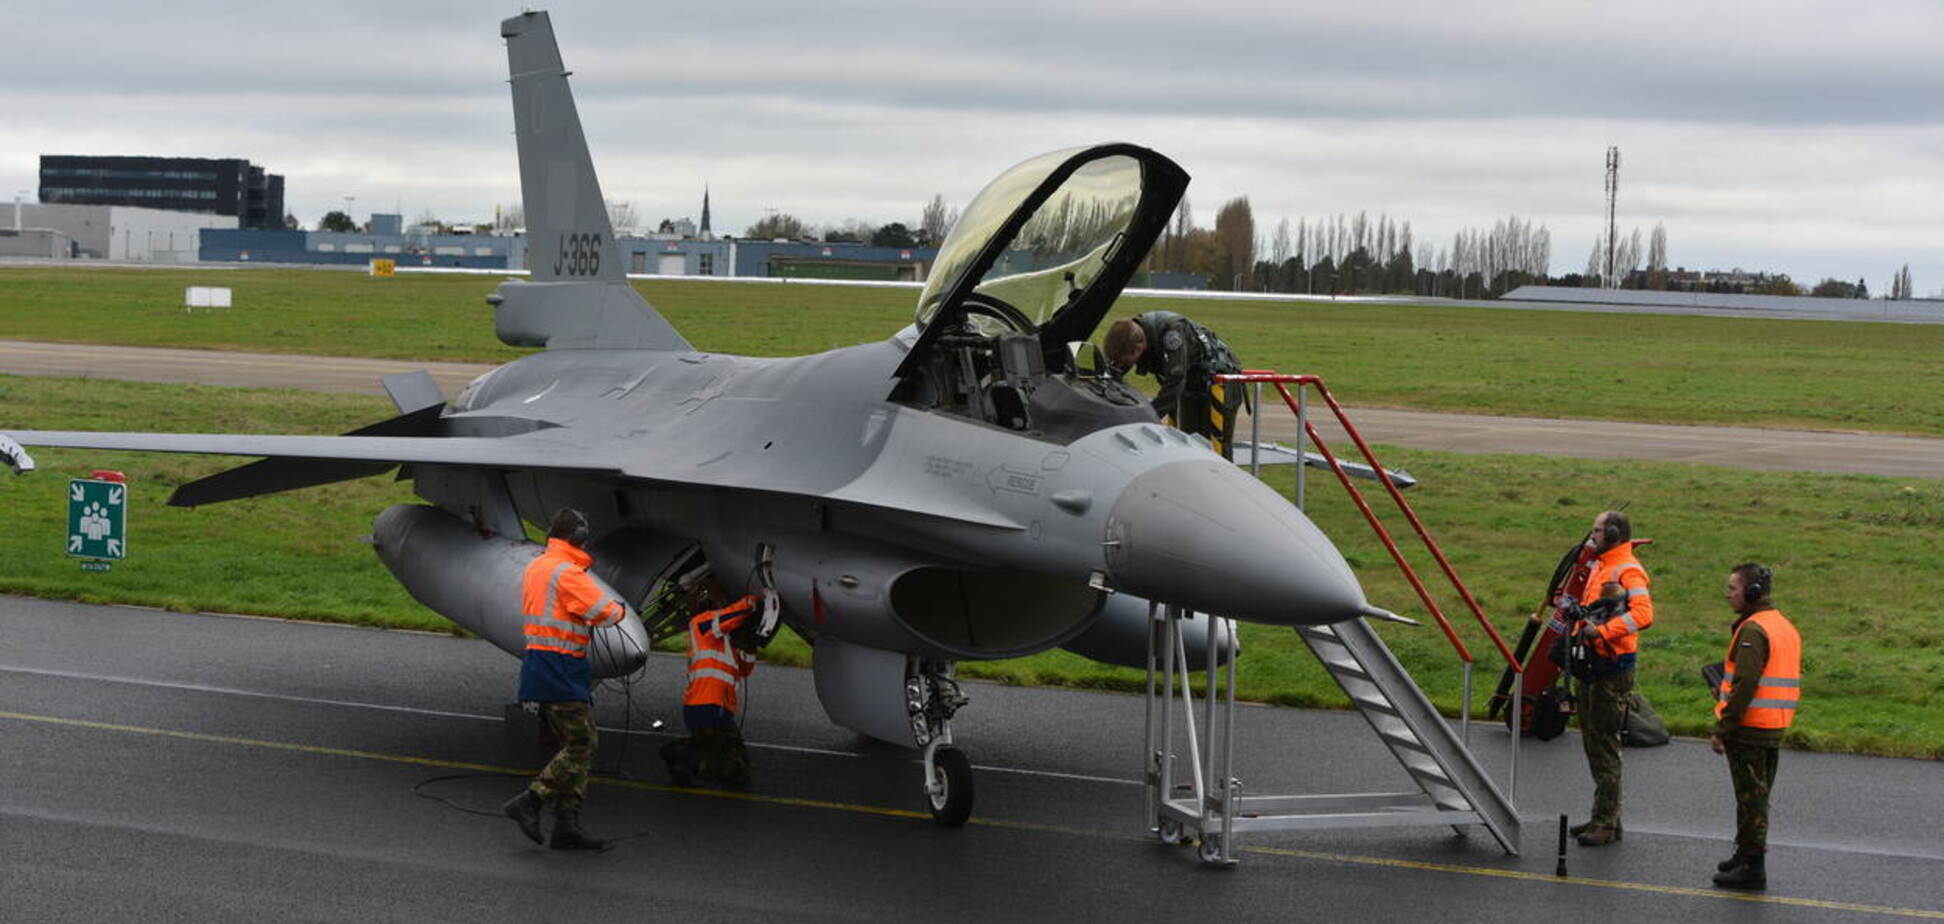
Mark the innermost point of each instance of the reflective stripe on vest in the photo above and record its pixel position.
(550, 625)
(713, 669)
(1780, 688)
(546, 631)
(1606, 571)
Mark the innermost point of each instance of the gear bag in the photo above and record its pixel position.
(1644, 728)
(1552, 709)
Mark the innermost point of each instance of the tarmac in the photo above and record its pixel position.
(1735, 447)
(162, 766)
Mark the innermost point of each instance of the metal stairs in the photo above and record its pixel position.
(1455, 790)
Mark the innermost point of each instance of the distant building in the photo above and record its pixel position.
(417, 246)
(769, 259)
(214, 186)
(125, 233)
(36, 242)
(1736, 281)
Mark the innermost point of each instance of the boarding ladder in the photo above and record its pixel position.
(1209, 807)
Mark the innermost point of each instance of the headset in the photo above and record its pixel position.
(1618, 528)
(580, 532)
(1756, 581)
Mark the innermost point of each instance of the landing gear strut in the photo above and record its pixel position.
(932, 697)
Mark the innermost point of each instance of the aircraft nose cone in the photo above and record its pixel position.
(1203, 534)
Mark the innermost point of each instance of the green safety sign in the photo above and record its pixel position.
(97, 519)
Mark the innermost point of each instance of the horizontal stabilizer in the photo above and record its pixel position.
(1278, 454)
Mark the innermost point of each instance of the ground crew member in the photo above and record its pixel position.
(1181, 355)
(563, 607)
(722, 646)
(1614, 643)
(1760, 686)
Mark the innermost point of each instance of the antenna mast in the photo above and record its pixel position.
(1612, 196)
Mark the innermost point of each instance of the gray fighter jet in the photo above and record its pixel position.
(973, 487)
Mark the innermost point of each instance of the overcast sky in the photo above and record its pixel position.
(1787, 135)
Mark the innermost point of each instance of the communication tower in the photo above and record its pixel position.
(1612, 196)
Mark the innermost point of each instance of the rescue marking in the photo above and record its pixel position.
(880, 811)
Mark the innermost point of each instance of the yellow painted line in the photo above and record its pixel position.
(853, 808)
(1521, 875)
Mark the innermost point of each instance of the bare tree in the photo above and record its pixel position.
(1279, 246)
(936, 221)
(1235, 229)
(622, 217)
(1628, 258)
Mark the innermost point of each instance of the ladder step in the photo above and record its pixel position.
(1405, 741)
(1382, 706)
(1349, 669)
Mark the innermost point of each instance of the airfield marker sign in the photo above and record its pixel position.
(97, 521)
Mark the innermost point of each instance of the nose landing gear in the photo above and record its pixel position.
(932, 697)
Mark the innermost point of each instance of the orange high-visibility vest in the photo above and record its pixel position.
(562, 604)
(1621, 634)
(714, 664)
(1774, 705)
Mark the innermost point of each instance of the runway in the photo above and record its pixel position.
(1735, 447)
(161, 766)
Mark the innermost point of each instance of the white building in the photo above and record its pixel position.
(121, 232)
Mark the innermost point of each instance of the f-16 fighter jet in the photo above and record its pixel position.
(965, 489)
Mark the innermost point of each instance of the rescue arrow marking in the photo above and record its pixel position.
(74, 543)
(114, 547)
(114, 495)
(76, 491)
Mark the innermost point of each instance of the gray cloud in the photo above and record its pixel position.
(1801, 136)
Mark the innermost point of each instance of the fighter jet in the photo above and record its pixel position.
(972, 487)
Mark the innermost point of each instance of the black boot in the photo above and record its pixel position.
(567, 833)
(524, 809)
(679, 757)
(1730, 863)
(1751, 873)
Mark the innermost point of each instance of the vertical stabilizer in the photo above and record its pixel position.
(579, 295)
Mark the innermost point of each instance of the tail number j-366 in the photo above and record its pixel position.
(579, 255)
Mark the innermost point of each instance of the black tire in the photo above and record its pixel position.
(952, 805)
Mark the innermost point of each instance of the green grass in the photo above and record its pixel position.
(1695, 370)
(1853, 555)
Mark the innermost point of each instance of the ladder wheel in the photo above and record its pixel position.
(951, 804)
(1210, 852)
(1172, 834)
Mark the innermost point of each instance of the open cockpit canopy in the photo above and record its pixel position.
(1047, 246)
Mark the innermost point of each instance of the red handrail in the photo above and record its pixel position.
(1282, 383)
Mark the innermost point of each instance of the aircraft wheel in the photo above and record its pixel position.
(950, 795)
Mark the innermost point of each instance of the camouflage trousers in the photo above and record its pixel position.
(1752, 769)
(563, 782)
(720, 755)
(1603, 713)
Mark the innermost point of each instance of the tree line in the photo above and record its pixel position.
(1347, 254)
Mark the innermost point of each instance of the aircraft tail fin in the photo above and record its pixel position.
(578, 295)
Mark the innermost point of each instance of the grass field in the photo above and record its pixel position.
(1804, 374)
(1854, 558)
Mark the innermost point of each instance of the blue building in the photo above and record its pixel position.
(640, 255)
(473, 251)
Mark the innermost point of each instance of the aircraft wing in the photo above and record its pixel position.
(306, 461)
(523, 451)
